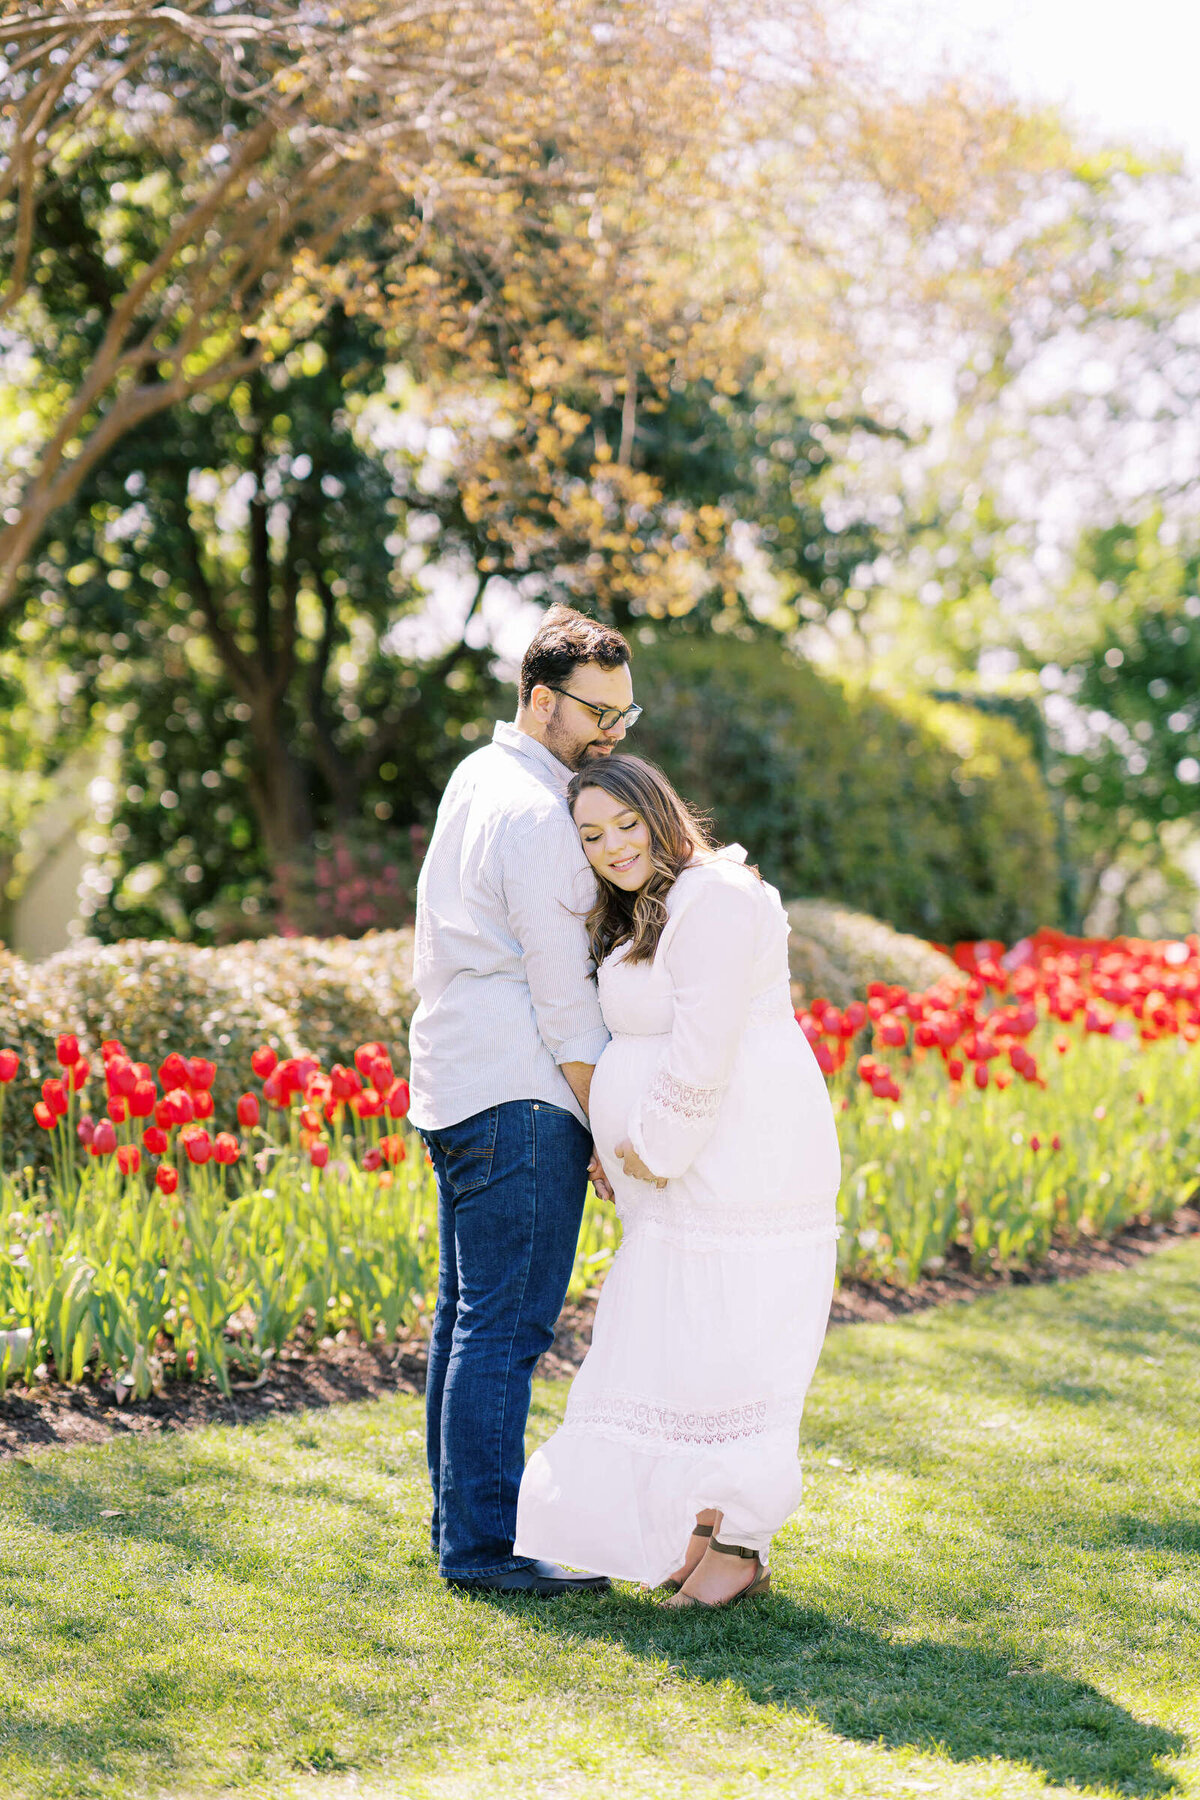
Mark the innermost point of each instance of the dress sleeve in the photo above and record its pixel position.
(709, 957)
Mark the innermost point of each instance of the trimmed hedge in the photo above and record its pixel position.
(322, 996)
(836, 952)
(932, 816)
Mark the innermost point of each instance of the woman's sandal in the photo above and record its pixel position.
(760, 1584)
(671, 1586)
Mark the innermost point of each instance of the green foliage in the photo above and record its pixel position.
(1113, 1137)
(931, 816)
(121, 1281)
(1132, 787)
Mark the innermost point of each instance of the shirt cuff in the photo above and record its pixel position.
(585, 1049)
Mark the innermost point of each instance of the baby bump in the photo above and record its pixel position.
(621, 1077)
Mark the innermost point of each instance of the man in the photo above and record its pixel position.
(503, 1046)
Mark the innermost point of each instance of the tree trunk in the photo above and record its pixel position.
(279, 787)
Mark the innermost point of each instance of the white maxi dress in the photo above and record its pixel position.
(712, 1317)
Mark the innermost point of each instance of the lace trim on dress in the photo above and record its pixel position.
(649, 1425)
(696, 1232)
(675, 1099)
(804, 1221)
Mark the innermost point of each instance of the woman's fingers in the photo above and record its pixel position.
(635, 1168)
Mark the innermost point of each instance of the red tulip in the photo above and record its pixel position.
(78, 1073)
(372, 1159)
(1056, 1142)
(855, 1016)
(955, 1068)
(67, 1050)
(226, 1149)
(120, 1076)
(310, 1118)
(10, 1062)
(394, 1149)
(344, 1082)
(319, 1154)
(117, 1109)
(365, 1056)
(824, 1056)
(1035, 1142)
(197, 1144)
(111, 1047)
(44, 1116)
(248, 1111)
(155, 1140)
(277, 1090)
(981, 1075)
(399, 1100)
(202, 1104)
(182, 1111)
(166, 1178)
(202, 1073)
(263, 1061)
(105, 1140)
(54, 1093)
(141, 1101)
(173, 1072)
(85, 1131)
(129, 1159)
(892, 1031)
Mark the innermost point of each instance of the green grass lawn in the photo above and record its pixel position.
(994, 1589)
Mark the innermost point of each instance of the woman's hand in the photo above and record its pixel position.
(635, 1168)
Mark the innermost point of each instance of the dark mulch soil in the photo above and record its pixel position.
(32, 1418)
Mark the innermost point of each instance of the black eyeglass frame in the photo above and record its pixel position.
(614, 714)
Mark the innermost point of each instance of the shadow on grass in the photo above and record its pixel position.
(942, 1699)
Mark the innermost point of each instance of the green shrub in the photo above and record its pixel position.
(318, 995)
(836, 952)
(929, 815)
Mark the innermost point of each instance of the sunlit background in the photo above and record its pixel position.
(872, 418)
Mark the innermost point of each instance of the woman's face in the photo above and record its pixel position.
(616, 840)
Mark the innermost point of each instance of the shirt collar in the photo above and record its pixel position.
(513, 739)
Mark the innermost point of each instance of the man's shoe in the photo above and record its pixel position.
(543, 1578)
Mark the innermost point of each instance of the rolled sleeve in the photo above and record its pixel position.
(548, 888)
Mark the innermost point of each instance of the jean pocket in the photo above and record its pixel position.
(466, 1152)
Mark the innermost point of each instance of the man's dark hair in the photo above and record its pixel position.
(564, 639)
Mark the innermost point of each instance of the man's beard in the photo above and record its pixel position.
(570, 753)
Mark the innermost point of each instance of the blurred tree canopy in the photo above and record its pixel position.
(311, 320)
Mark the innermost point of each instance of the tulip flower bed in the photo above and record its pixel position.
(157, 1245)
(1045, 1093)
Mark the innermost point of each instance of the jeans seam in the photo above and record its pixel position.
(519, 1308)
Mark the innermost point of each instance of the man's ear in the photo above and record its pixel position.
(541, 703)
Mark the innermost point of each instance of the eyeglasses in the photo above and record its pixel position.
(607, 717)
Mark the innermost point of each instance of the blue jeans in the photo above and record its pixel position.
(511, 1187)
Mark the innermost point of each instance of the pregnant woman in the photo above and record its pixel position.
(677, 1459)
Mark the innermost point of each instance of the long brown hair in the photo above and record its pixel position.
(676, 835)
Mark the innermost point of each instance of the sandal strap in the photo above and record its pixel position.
(734, 1550)
(702, 1531)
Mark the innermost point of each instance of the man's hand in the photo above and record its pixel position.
(598, 1178)
(635, 1168)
